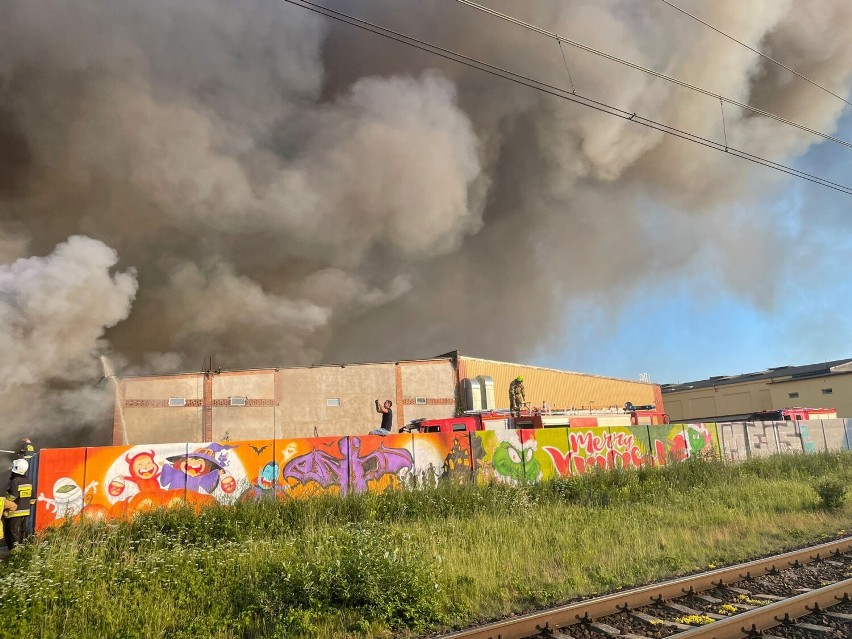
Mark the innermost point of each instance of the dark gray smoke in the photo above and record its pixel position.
(283, 189)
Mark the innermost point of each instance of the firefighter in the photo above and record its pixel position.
(16, 510)
(517, 395)
(26, 449)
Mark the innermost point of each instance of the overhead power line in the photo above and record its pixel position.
(561, 93)
(647, 70)
(760, 53)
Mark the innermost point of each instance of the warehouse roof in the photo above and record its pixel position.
(778, 373)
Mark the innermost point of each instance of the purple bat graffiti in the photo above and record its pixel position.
(375, 465)
(330, 470)
(320, 466)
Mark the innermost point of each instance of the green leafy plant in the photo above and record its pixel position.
(831, 493)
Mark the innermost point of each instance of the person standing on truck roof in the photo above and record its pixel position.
(16, 509)
(387, 418)
(517, 395)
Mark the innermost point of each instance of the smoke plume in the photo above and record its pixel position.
(286, 190)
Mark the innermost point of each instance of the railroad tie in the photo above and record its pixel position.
(692, 611)
(816, 628)
(709, 598)
(838, 615)
(656, 621)
(606, 629)
(769, 597)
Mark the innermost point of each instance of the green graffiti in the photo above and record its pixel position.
(518, 465)
(697, 439)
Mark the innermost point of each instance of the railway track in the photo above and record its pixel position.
(800, 594)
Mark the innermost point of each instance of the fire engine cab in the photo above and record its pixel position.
(472, 421)
(793, 414)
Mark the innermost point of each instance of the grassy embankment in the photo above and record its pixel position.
(405, 562)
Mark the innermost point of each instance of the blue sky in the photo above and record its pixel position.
(677, 330)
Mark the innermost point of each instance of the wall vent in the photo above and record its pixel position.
(238, 401)
(177, 401)
(420, 401)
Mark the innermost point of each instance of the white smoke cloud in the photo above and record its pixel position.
(54, 311)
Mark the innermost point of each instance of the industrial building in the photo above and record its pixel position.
(339, 399)
(736, 397)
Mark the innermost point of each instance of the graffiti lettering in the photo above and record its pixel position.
(590, 450)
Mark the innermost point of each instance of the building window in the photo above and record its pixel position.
(827, 391)
(332, 401)
(793, 395)
(177, 401)
(238, 401)
(420, 401)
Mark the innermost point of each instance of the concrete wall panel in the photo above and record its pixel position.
(442, 457)
(762, 439)
(61, 485)
(834, 431)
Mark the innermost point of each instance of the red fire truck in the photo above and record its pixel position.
(539, 418)
(793, 414)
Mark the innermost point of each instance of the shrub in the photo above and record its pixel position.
(831, 493)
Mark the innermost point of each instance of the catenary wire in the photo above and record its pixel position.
(649, 71)
(561, 93)
(760, 53)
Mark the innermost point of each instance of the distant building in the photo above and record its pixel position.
(735, 397)
(338, 399)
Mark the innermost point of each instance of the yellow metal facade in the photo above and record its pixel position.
(560, 389)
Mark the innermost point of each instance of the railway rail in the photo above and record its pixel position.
(754, 612)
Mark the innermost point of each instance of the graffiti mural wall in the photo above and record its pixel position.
(442, 457)
(120, 481)
(567, 452)
(379, 463)
(502, 455)
(313, 466)
(61, 485)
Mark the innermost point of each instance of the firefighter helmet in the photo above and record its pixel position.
(20, 467)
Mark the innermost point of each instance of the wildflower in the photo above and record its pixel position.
(727, 609)
(695, 620)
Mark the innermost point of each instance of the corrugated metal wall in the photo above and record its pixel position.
(560, 389)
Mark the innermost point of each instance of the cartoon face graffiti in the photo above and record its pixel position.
(289, 451)
(144, 473)
(200, 471)
(67, 497)
(267, 477)
(699, 437)
(143, 466)
(197, 463)
(517, 463)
